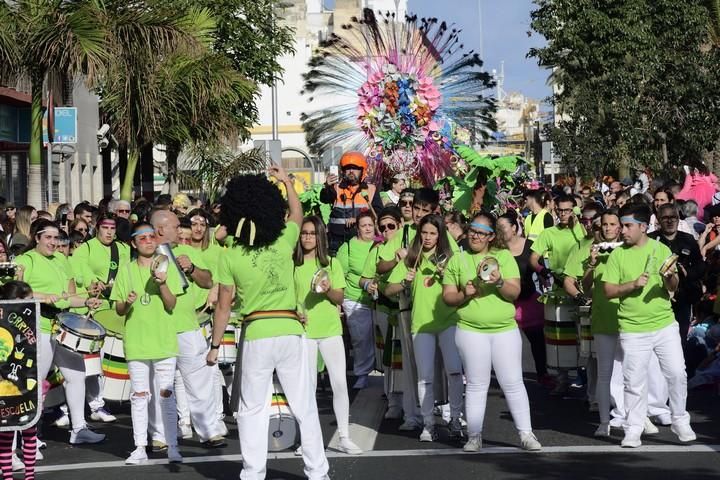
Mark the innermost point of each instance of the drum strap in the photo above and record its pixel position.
(113, 270)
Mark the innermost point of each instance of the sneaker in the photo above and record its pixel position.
(474, 443)
(184, 431)
(39, 455)
(393, 413)
(102, 415)
(603, 430)
(684, 432)
(617, 422)
(529, 442)
(62, 421)
(85, 436)
(158, 446)
(223, 429)
(631, 440)
(665, 419)
(17, 464)
(428, 435)
(215, 442)
(298, 451)
(174, 455)
(41, 444)
(348, 446)
(137, 457)
(361, 382)
(650, 428)
(410, 424)
(455, 428)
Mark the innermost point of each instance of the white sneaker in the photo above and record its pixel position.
(410, 424)
(616, 422)
(665, 419)
(428, 435)
(684, 432)
(603, 430)
(298, 451)
(17, 464)
(137, 457)
(529, 442)
(393, 413)
(223, 429)
(62, 422)
(631, 440)
(184, 431)
(102, 415)
(650, 428)
(474, 443)
(39, 455)
(174, 455)
(348, 446)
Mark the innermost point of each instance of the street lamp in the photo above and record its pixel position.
(273, 87)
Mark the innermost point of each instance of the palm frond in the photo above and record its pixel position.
(713, 7)
(9, 55)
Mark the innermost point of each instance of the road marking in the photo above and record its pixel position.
(410, 453)
(366, 412)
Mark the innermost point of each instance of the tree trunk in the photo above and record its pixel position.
(126, 191)
(34, 191)
(147, 172)
(172, 152)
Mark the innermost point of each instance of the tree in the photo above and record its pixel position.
(635, 88)
(8, 42)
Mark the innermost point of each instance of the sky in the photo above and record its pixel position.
(505, 24)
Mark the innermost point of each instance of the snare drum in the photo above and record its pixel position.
(587, 346)
(561, 343)
(283, 432)
(115, 383)
(227, 354)
(78, 333)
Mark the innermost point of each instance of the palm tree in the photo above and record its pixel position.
(713, 7)
(9, 54)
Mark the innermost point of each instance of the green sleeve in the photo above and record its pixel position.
(337, 275)
(343, 256)
(540, 246)
(612, 270)
(370, 267)
(291, 234)
(574, 266)
(225, 276)
(398, 274)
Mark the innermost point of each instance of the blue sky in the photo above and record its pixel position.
(504, 37)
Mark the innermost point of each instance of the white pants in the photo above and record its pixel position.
(424, 349)
(197, 378)
(93, 393)
(159, 374)
(287, 356)
(218, 387)
(72, 367)
(381, 321)
(638, 349)
(332, 350)
(482, 352)
(360, 326)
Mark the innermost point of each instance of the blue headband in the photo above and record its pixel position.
(141, 231)
(482, 226)
(630, 219)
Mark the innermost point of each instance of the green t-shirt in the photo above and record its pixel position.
(352, 256)
(647, 309)
(604, 312)
(556, 243)
(50, 275)
(184, 312)
(387, 251)
(430, 314)
(370, 271)
(489, 313)
(211, 258)
(263, 281)
(150, 331)
(323, 318)
(91, 262)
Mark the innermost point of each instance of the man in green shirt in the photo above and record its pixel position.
(637, 276)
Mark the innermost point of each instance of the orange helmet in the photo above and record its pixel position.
(355, 159)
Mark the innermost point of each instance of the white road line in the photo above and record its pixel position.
(412, 453)
(366, 415)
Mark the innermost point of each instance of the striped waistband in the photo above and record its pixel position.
(265, 314)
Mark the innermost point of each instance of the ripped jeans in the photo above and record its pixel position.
(147, 378)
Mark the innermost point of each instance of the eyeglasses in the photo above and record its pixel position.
(81, 230)
(406, 203)
(478, 233)
(122, 211)
(387, 226)
(669, 218)
(564, 211)
(308, 234)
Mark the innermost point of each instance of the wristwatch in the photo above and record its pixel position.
(214, 347)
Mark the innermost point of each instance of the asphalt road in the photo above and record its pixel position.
(563, 426)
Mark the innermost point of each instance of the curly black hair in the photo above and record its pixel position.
(257, 200)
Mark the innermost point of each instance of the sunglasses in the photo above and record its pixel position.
(123, 211)
(406, 203)
(387, 226)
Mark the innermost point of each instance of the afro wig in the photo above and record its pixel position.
(260, 203)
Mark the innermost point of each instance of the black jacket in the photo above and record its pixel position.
(686, 247)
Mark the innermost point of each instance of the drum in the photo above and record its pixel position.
(115, 382)
(561, 344)
(283, 432)
(110, 321)
(227, 354)
(587, 346)
(78, 333)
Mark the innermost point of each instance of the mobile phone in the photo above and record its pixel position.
(63, 219)
(334, 170)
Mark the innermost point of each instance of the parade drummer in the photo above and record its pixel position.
(433, 321)
(146, 296)
(50, 276)
(487, 336)
(323, 325)
(389, 224)
(95, 264)
(646, 322)
(259, 269)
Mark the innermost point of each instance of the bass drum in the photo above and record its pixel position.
(115, 382)
(283, 432)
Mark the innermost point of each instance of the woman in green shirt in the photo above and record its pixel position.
(488, 336)
(433, 321)
(323, 327)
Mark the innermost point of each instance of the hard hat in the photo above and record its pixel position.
(354, 159)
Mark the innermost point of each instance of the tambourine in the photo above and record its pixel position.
(668, 265)
(486, 268)
(439, 260)
(319, 277)
(160, 263)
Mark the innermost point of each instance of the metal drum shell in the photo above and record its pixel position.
(561, 343)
